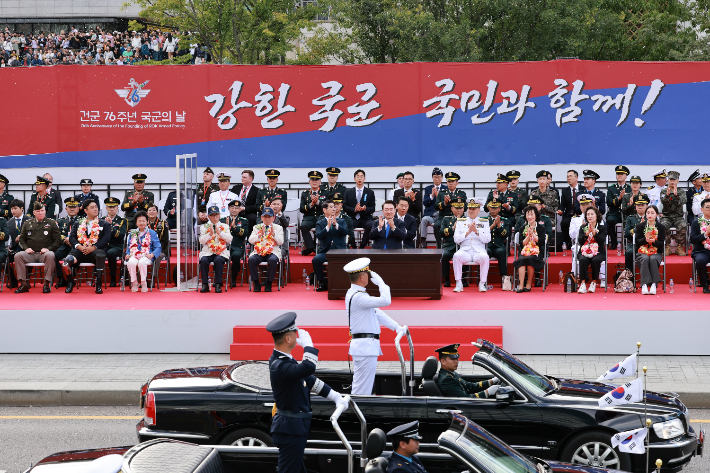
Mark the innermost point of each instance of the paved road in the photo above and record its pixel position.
(30, 440)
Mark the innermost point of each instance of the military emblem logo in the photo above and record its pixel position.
(133, 93)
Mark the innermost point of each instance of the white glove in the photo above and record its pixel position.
(337, 398)
(492, 390)
(402, 330)
(494, 380)
(304, 339)
(375, 278)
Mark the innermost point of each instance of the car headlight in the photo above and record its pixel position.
(669, 429)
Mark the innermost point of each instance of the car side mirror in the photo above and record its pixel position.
(505, 394)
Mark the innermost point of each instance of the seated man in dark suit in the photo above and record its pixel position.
(410, 223)
(332, 233)
(413, 196)
(14, 224)
(700, 238)
(247, 193)
(390, 231)
(360, 205)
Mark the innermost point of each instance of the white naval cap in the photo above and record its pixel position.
(357, 266)
(661, 173)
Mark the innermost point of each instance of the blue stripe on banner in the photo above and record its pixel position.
(674, 134)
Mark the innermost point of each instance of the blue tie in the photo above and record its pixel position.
(387, 233)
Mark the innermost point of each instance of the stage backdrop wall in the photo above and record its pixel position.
(565, 111)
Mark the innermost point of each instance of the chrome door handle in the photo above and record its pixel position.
(269, 404)
(446, 411)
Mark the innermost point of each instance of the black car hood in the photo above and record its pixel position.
(189, 379)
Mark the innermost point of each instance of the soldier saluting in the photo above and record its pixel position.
(136, 199)
(292, 383)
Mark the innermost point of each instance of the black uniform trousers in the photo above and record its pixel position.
(236, 255)
(584, 263)
(220, 262)
(59, 255)
(366, 224)
(318, 265)
(501, 255)
(255, 260)
(629, 257)
(612, 219)
(701, 258)
(97, 257)
(308, 224)
(112, 254)
(291, 449)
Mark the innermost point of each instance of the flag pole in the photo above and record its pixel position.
(645, 415)
(638, 349)
(659, 464)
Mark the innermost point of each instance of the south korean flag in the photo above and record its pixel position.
(624, 394)
(631, 441)
(625, 368)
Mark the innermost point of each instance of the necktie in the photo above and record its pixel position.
(387, 232)
(244, 193)
(17, 224)
(574, 195)
(359, 196)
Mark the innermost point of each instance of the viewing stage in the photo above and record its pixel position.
(550, 322)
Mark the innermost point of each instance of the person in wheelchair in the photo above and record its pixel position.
(405, 445)
(451, 384)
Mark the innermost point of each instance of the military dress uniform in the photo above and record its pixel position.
(47, 200)
(451, 384)
(498, 246)
(4, 237)
(673, 209)
(338, 199)
(65, 225)
(614, 205)
(239, 228)
(330, 192)
(629, 228)
(5, 199)
(114, 251)
(83, 197)
(520, 194)
(690, 194)
(627, 202)
(472, 247)
(129, 208)
(311, 213)
(448, 245)
(397, 463)
(442, 207)
(37, 234)
(654, 191)
(270, 194)
(292, 384)
(505, 197)
(202, 196)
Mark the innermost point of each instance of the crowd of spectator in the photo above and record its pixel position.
(96, 47)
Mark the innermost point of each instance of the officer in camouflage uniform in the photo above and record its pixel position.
(5, 198)
(65, 226)
(311, 208)
(239, 228)
(333, 187)
(497, 247)
(445, 197)
(546, 195)
(614, 201)
(451, 384)
(508, 199)
(119, 227)
(520, 193)
(340, 213)
(673, 201)
(640, 203)
(136, 199)
(448, 225)
(271, 191)
(42, 196)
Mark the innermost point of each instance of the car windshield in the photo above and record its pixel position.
(530, 379)
(492, 453)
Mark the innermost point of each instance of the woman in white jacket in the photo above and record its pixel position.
(170, 45)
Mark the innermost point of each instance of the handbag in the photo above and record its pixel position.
(625, 282)
(507, 285)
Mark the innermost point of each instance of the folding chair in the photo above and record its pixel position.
(5, 265)
(661, 268)
(575, 256)
(261, 273)
(82, 274)
(286, 257)
(695, 275)
(34, 276)
(226, 274)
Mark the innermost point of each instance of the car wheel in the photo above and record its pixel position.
(248, 438)
(594, 449)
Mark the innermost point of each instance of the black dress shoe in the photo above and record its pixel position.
(22, 288)
(46, 289)
(538, 283)
(205, 288)
(267, 286)
(99, 289)
(706, 290)
(217, 288)
(307, 251)
(447, 282)
(61, 283)
(70, 286)
(464, 283)
(527, 289)
(519, 290)
(257, 286)
(112, 284)
(323, 286)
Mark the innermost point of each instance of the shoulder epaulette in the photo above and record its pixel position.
(650, 187)
(461, 218)
(484, 219)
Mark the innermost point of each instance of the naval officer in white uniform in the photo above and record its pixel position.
(472, 234)
(365, 319)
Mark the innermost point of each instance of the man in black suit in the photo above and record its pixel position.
(360, 205)
(390, 231)
(332, 234)
(410, 223)
(54, 193)
(14, 226)
(568, 200)
(247, 194)
(89, 246)
(698, 237)
(413, 197)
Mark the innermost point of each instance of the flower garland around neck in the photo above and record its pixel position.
(531, 248)
(265, 245)
(88, 236)
(216, 245)
(704, 224)
(590, 248)
(138, 249)
(649, 249)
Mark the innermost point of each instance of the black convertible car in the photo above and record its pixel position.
(462, 447)
(549, 418)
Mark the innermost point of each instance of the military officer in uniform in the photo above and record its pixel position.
(696, 188)
(405, 446)
(640, 203)
(202, 195)
(365, 319)
(509, 201)
(627, 202)
(614, 198)
(119, 227)
(673, 201)
(292, 384)
(5, 198)
(86, 194)
(451, 384)
(340, 213)
(472, 234)
(445, 197)
(548, 197)
(268, 193)
(590, 182)
(136, 200)
(170, 209)
(333, 187)
(498, 246)
(39, 239)
(311, 208)
(239, 228)
(698, 199)
(654, 192)
(65, 226)
(518, 192)
(43, 197)
(448, 245)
